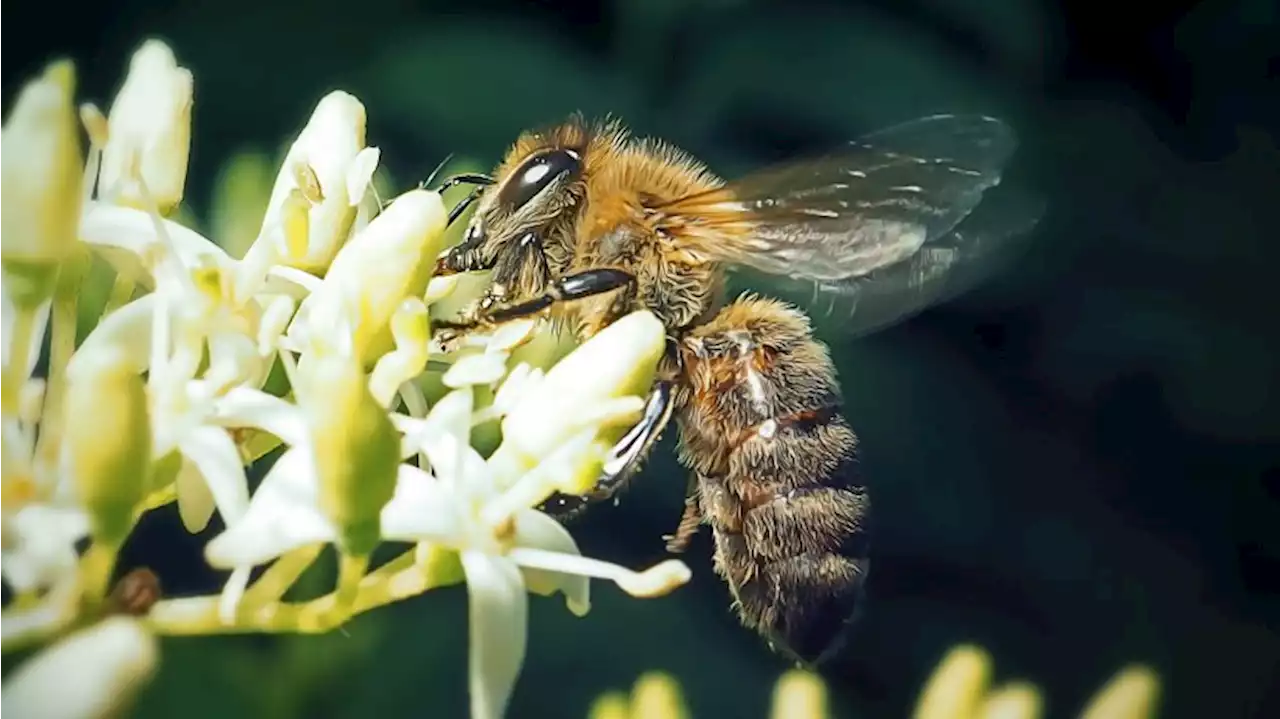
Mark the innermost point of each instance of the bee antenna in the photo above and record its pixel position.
(432, 177)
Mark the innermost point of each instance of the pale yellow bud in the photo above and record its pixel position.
(958, 685)
(318, 165)
(357, 448)
(92, 674)
(389, 261)
(619, 361)
(42, 173)
(800, 695)
(1132, 694)
(149, 132)
(107, 446)
(657, 696)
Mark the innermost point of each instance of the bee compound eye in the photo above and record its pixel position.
(536, 174)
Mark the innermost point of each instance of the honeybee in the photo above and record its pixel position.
(584, 222)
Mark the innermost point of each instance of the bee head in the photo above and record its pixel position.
(524, 222)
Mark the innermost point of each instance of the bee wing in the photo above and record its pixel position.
(938, 271)
(877, 220)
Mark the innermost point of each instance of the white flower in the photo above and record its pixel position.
(39, 541)
(92, 674)
(330, 168)
(506, 548)
(149, 135)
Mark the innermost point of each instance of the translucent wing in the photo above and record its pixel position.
(878, 221)
(938, 271)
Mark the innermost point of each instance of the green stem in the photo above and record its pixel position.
(399, 579)
(96, 566)
(62, 344)
(281, 575)
(15, 370)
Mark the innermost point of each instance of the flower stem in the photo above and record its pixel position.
(281, 575)
(15, 368)
(351, 569)
(62, 344)
(401, 578)
(96, 565)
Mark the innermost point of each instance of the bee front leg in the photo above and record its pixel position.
(576, 286)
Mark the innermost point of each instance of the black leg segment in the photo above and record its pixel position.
(566, 289)
(624, 459)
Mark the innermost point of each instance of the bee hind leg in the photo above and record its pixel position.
(690, 521)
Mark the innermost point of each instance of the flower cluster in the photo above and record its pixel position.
(959, 689)
(315, 346)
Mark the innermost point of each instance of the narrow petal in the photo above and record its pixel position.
(421, 510)
(244, 407)
(135, 231)
(195, 500)
(283, 515)
(214, 452)
(498, 619)
(485, 369)
(653, 582)
(539, 531)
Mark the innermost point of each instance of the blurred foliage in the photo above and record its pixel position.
(1075, 465)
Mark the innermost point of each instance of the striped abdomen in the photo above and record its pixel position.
(777, 474)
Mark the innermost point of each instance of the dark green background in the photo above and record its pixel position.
(1075, 466)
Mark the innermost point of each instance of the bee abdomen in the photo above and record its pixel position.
(791, 526)
(778, 474)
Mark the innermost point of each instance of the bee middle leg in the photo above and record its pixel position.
(624, 459)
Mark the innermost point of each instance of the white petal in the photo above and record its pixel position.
(214, 452)
(421, 510)
(195, 501)
(539, 531)
(90, 674)
(510, 334)
(244, 407)
(126, 330)
(484, 369)
(653, 582)
(498, 613)
(450, 416)
(519, 382)
(283, 515)
(360, 174)
(135, 231)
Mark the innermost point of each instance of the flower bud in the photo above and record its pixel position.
(149, 132)
(389, 261)
(43, 168)
(356, 448)
(800, 694)
(319, 164)
(1132, 694)
(957, 686)
(619, 361)
(91, 674)
(107, 446)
